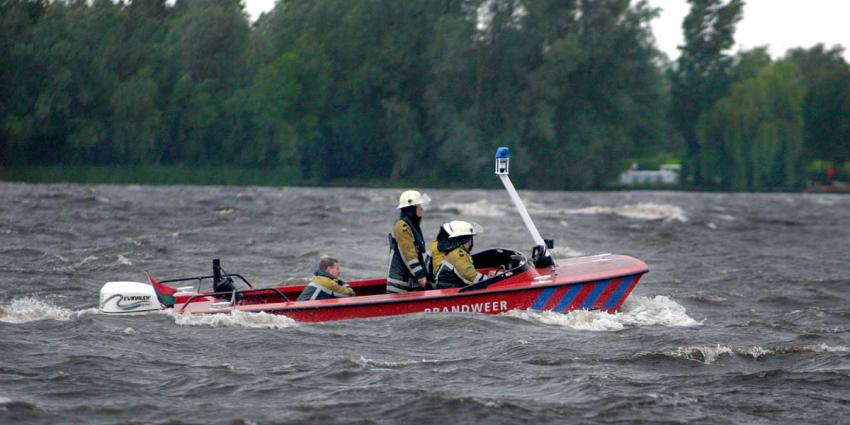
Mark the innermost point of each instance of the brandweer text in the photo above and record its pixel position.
(488, 307)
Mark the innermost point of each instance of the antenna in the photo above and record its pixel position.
(540, 254)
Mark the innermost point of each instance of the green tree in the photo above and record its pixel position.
(18, 82)
(753, 138)
(136, 120)
(826, 76)
(701, 77)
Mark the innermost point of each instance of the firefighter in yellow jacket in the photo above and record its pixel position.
(457, 269)
(407, 247)
(435, 257)
(326, 283)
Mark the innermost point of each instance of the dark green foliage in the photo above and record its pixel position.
(701, 75)
(329, 91)
(827, 106)
(753, 138)
(395, 90)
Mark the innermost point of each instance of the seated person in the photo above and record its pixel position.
(456, 269)
(434, 257)
(326, 283)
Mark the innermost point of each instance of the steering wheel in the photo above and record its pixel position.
(499, 270)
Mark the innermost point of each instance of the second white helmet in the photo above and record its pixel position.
(410, 198)
(457, 228)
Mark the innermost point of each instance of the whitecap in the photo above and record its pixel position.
(564, 252)
(85, 261)
(704, 354)
(641, 211)
(710, 354)
(122, 260)
(260, 320)
(5, 400)
(481, 207)
(30, 309)
(387, 364)
(819, 348)
(806, 348)
(824, 201)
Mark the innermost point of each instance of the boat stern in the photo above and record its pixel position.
(128, 297)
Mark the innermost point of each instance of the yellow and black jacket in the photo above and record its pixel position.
(406, 255)
(435, 258)
(457, 270)
(324, 286)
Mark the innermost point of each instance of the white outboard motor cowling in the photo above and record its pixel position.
(128, 297)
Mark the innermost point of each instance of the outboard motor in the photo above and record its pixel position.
(128, 297)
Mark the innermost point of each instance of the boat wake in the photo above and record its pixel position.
(31, 309)
(258, 320)
(636, 312)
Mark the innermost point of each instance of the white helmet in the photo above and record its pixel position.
(457, 228)
(410, 198)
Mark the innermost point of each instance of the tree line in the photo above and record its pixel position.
(413, 90)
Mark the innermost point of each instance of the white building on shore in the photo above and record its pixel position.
(668, 174)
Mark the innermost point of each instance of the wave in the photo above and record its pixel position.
(710, 354)
(564, 252)
(636, 312)
(481, 208)
(60, 263)
(641, 211)
(258, 320)
(385, 364)
(31, 309)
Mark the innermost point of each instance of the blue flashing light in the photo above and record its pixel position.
(503, 152)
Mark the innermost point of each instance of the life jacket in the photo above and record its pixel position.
(435, 255)
(324, 286)
(407, 249)
(457, 270)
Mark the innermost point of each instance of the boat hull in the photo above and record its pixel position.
(585, 283)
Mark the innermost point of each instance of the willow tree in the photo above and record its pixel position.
(753, 138)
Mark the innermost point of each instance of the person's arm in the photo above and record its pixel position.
(466, 270)
(337, 289)
(343, 291)
(404, 238)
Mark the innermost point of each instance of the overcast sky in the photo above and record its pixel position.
(779, 24)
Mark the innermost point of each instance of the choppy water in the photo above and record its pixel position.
(743, 317)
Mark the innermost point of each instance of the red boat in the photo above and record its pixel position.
(600, 282)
